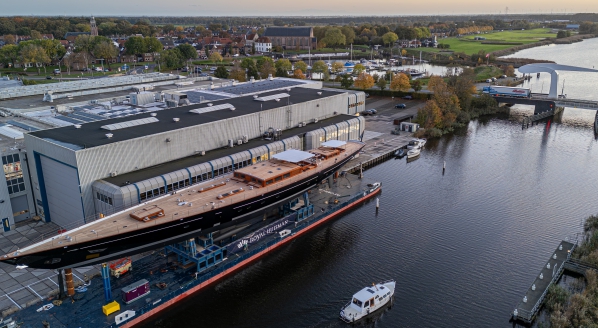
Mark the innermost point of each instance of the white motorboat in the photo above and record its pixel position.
(414, 144)
(422, 142)
(413, 153)
(367, 301)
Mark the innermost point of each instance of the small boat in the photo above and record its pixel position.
(367, 301)
(414, 144)
(422, 142)
(374, 186)
(400, 153)
(45, 307)
(412, 153)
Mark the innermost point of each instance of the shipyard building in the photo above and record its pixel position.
(93, 168)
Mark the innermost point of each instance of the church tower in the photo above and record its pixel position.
(94, 28)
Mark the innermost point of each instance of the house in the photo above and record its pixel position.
(291, 38)
(249, 41)
(263, 44)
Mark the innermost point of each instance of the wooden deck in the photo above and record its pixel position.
(179, 204)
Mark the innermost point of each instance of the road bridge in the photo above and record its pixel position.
(553, 69)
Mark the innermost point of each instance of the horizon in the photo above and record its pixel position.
(309, 8)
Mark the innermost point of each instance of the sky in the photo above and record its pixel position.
(280, 8)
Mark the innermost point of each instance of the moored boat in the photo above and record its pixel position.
(367, 301)
(400, 153)
(198, 209)
(412, 153)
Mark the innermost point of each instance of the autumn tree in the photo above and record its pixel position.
(283, 66)
(9, 54)
(105, 50)
(430, 116)
(33, 53)
(337, 67)
(510, 71)
(266, 68)
(364, 81)
(416, 85)
(215, 57)
(400, 82)
(298, 74)
(237, 73)
(320, 67)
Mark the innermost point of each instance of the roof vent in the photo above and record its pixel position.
(319, 93)
(176, 119)
(210, 104)
(109, 135)
(254, 96)
(232, 108)
(77, 126)
(277, 99)
(153, 114)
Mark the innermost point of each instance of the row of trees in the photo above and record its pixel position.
(34, 51)
(333, 36)
(474, 29)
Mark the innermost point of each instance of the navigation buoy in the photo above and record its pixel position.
(377, 203)
(443, 167)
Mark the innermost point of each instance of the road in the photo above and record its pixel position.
(386, 105)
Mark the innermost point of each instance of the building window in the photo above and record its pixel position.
(104, 198)
(13, 173)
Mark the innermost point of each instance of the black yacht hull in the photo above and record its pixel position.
(109, 248)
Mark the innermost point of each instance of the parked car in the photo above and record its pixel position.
(56, 71)
(366, 113)
(185, 69)
(145, 67)
(373, 111)
(85, 69)
(125, 67)
(503, 76)
(488, 80)
(203, 74)
(98, 69)
(236, 55)
(493, 79)
(197, 69)
(401, 106)
(367, 95)
(49, 77)
(212, 69)
(408, 97)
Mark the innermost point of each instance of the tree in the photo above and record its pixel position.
(358, 69)
(510, 71)
(171, 59)
(266, 67)
(319, 67)
(237, 73)
(221, 72)
(152, 45)
(298, 74)
(301, 65)
(83, 43)
(187, 51)
(35, 35)
(416, 85)
(403, 52)
(33, 53)
(430, 116)
(262, 61)
(346, 81)
(563, 34)
(135, 45)
(364, 81)
(390, 38)
(105, 50)
(400, 82)
(9, 39)
(334, 37)
(349, 33)
(283, 66)
(381, 83)
(215, 57)
(9, 54)
(337, 67)
(249, 65)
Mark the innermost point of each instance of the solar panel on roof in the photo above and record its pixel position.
(126, 124)
(91, 115)
(272, 97)
(79, 117)
(23, 126)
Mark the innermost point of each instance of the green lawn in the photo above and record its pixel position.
(467, 44)
(485, 72)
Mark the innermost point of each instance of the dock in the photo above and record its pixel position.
(551, 272)
(170, 282)
(527, 121)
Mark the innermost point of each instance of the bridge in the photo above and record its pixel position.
(545, 104)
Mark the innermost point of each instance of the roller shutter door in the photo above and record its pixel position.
(62, 193)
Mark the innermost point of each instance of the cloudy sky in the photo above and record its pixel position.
(298, 8)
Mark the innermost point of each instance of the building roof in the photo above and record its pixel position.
(293, 156)
(92, 135)
(288, 31)
(157, 170)
(263, 39)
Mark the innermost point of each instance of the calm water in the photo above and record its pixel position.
(463, 246)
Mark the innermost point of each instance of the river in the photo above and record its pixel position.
(463, 246)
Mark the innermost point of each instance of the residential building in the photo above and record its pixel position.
(263, 44)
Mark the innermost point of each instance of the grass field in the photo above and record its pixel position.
(467, 44)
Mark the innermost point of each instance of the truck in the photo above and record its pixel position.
(507, 91)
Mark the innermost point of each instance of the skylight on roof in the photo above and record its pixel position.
(212, 108)
(293, 156)
(9, 132)
(128, 124)
(272, 97)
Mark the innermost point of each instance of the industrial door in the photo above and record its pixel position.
(62, 193)
(20, 208)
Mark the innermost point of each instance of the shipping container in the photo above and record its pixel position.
(135, 291)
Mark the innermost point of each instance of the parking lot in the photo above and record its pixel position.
(386, 105)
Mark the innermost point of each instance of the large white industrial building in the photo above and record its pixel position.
(85, 170)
